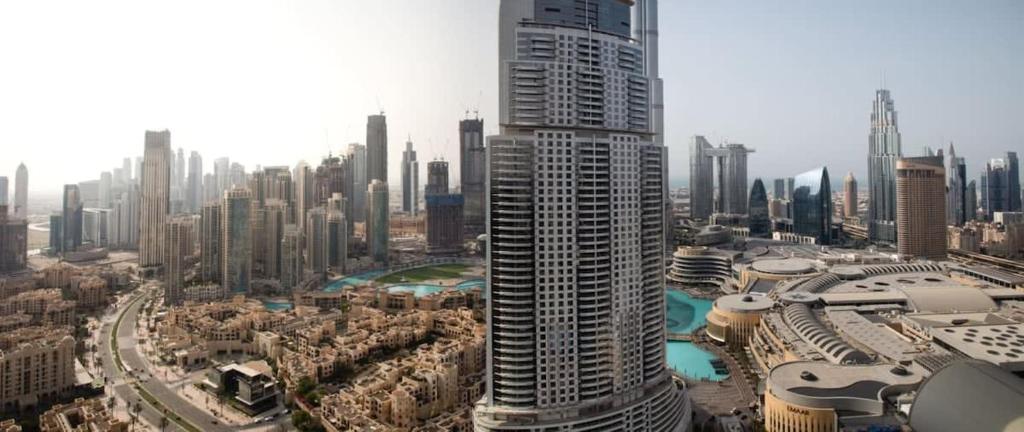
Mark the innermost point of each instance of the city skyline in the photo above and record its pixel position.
(300, 98)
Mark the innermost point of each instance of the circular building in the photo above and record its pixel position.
(700, 267)
(969, 395)
(733, 318)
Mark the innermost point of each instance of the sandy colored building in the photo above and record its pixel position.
(733, 318)
(35, 363)
(921, 207)
(82, 415)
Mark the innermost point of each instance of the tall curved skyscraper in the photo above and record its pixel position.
(576, 312)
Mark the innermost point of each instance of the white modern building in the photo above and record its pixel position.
(576, 313)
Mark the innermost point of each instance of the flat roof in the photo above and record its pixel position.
(784, 266)
(1000, 344)
(826, 381)
(744, 303)
(876, 336)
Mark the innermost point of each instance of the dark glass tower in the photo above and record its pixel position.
(812, 205)
(760, 224)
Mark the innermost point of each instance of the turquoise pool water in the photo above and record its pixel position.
(684, 314)
(420, 290)
(353, 280)
(277, 304)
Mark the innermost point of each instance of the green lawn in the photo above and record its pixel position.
(443, 271)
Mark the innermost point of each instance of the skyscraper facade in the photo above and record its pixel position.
(995, 189)
(317, 242)
(291, 257)
(956, 189)
(236, 241)
(731, 162)
(4, 189)
(410, 179)
(377, 221)
(850, 196)
(71, 219)
(274, 219)
(21, 192)
(971, 201)
(13, 241)
(444, 212)
(337, 236)
(222, 174)
(576, 312)
(779, 191)
(357, 156)
(1013, 182)
(209, 242)
(180, 245)
(472, 174)
(759, 223)
(194, 196)
(376, 148)
(883, 151)
(105, 190)
(702, 180)
(155, 197)
(812, 206)
(921, 207)
(302, 178)
(126, 219)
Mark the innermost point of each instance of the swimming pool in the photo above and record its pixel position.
(353, 280)
(420, 290)
(277, 304)
(684, 315)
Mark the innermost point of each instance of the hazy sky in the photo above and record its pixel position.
(273, 82)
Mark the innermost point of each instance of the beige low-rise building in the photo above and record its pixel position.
(46, 306)
(82, 415)
(90, 292)
(733, 318)
(36, 363)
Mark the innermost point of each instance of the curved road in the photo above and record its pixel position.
(165, 393)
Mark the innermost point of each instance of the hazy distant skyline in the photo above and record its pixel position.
(274, 82)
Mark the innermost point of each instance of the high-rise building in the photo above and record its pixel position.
(437, 178)
(180, 245)
(779, 191)
(357, 156)
(472, 174)
(178, 174)
(71, 219)
(126, 170)
(209, 242)
(21, 192)
(335, 175)
(921, 207)
(1013, 182)
(812, 206)
(195, 183)
(4, 188)
(790, 187)
(106, 189)
(56, 234)
(444, 212)
(410, 180)
(275, 213)
(222, 173)
(13, 242)
(96, 226)
(236, 241)
(377, 221)
(572, 343)
(138, 170)
(731, 161)
(995, 193)
(850, 196)
(883, 151)
(376, 148)
(702, 178)
(237, 176)
(956, 204)
(155, 198)
(303, 183)
(291, 257)
(337, 234)
(759, 222)
(317, 244)
(971, 201)
(126, 219)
